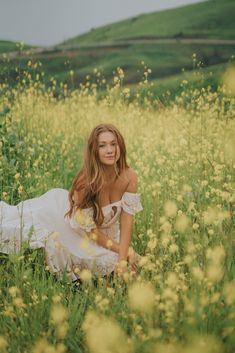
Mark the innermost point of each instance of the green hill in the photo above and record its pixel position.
(7, 46)
(208, 19)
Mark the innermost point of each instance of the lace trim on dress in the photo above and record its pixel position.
(130, 203)
(82, 219)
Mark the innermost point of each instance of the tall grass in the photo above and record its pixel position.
(184, 156)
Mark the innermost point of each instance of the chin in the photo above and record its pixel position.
(109, 162)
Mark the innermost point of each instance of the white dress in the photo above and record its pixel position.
(40, 222)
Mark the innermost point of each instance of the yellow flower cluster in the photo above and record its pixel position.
(82, 218)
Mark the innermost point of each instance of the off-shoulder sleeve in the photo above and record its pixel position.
(131, 203)
(82, 220)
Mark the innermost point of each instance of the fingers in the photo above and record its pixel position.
(132, 265)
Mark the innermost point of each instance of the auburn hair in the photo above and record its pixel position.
(91, 176)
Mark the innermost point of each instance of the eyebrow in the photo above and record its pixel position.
(105, 141)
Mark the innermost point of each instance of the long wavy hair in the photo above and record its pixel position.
(91, 177)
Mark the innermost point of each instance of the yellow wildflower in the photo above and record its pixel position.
(85, 275)
(141, 297)
(58, 313)
(3, 343)
(104, 335)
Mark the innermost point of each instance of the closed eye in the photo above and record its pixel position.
(113, 144)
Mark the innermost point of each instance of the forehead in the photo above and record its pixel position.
(106, 136)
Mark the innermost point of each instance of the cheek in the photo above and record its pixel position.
(100, 152)
(118, 151)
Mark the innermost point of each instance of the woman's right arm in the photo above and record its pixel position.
(104, 240)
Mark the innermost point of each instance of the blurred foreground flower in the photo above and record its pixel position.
(85, 275)
(58, 314)
(229, 80)
(141, 297)
(215, 259)
(104, 335)
(203, 343)
(43, 346)
(3, 344)
(182, 223)
(229, 292)
(170, 209)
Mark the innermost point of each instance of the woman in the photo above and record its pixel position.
(89, 227)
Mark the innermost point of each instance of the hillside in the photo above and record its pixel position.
(165, 58)
(7, 46)
(208, 19)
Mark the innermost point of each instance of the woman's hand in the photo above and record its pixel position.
(121, 268)
(133, 259)
(131, 264)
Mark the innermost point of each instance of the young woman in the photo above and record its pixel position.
(89, 227)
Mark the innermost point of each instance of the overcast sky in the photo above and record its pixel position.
(48, 22)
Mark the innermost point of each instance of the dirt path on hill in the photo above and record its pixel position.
(70, 50)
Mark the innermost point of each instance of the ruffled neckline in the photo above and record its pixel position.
(130, 202)
(113, 203)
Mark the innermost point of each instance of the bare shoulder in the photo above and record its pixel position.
(132, 180)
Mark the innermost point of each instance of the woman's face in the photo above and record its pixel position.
(107, 144)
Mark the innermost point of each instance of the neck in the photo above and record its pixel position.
(110, 174)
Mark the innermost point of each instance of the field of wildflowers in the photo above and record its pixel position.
(183, 299)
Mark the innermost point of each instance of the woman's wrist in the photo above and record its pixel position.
(112, 245)
(122, 260)
(122, 255)
(105, 241)
(125, 255)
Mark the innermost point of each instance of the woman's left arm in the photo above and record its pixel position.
(126, 229)
(126, 220)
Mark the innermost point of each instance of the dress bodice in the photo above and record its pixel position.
(83, 218)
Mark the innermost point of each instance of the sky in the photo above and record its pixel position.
(49, 22)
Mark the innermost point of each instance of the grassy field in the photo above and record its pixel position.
(161, 64)
(184, 157)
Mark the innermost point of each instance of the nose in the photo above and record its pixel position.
(110, 149)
